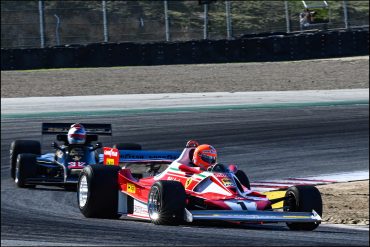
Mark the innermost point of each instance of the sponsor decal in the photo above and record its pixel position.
(173, 178)
(111, 156)
(222, 175)
(188, 182)
(109, 161)
(140, 208)
(227, 182)
(112, 152)
(131, 188)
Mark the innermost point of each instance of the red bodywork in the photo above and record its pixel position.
(204, 189)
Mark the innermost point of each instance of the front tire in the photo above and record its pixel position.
(26, 167)
(303, 199)
(97, 192)
(22, 146)
(166, 203)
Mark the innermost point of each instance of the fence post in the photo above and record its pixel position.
(166, 20)
(287, 19)
(228, 19)
(105, 22)
(57, 37)
(345, 13)
(205, 27)
(42, 23)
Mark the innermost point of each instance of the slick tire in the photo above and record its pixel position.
(97, 192)
(22, 146)
(166, 203)
(243, 178)
(127, 146)
(26, 167)
(303, 199)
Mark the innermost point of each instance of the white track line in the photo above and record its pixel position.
(270, 185)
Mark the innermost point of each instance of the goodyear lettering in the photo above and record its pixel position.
(110, 153)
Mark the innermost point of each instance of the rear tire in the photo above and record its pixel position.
(243, 178)
(22, 146)
(26, 167)
(303, 199)
(127, 146)
(97, 192)
(166, 203)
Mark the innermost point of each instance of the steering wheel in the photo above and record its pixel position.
(218, 168)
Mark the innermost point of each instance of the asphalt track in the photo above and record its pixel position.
(266, 143)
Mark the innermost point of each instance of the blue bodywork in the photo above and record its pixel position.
(64, 166)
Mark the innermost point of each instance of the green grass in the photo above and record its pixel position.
(82, 20)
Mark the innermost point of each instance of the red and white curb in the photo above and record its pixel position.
(282, 184)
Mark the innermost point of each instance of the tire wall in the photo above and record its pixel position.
(274, 47)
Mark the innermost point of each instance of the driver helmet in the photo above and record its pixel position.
(77, 134)
(205, 156)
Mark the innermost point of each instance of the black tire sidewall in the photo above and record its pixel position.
(27, 168)
(173, 200)
(22, 146)
(102, 194)
(307, 198)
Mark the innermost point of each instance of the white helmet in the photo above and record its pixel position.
(76, 134)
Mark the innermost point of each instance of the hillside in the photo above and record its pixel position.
(143, 21)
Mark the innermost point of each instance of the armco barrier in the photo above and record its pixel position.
(249, 48)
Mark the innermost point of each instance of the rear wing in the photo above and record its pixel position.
(113, 156)
(62, 128)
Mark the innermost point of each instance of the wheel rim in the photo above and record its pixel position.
(291, 203)
(16, 179)
(82, 191)
(154, 203)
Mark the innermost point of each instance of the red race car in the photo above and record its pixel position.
(165, 188)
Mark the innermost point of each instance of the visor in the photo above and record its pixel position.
(77, 136)
(209, 159)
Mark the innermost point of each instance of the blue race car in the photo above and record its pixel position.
(28, 167)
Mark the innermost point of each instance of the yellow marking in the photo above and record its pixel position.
(296, 217)
(227, 182)
(273, 195)
(109, 161)
(131, 188)
(187, 183)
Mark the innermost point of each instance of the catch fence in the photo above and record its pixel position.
(28, 24)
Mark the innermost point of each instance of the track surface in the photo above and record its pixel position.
(267, 143)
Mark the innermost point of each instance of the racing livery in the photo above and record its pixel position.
(28, 167)
(164, 187)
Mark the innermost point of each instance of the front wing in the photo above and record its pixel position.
(252, 216)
